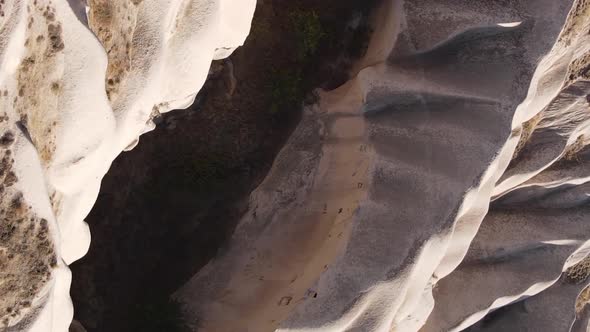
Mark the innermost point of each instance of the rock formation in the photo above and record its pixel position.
(70, 104)
(372, 218)
(442, 188)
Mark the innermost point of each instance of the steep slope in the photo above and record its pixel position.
(384, 185)
(60, 133)
(442, 188)
(167, 206)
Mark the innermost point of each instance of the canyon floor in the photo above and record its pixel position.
(168, 206)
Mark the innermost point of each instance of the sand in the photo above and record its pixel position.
(287, 240)
(288, 251)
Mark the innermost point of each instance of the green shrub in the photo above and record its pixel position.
(309, 32)
(204, 171)
(287, 86)
(286, 89)
(260, 29)
(157, 314)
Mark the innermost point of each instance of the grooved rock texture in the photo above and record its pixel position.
(446, 180)
(444, 187)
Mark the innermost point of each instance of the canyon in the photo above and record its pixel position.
(386, 166)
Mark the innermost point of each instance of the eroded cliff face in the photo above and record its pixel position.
(444, 183)
(203, 163)
(376, 215)
(70, 105)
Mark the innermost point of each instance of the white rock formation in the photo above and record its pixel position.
(61, 131)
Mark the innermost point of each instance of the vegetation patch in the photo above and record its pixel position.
(287, 85)
(286, 88)
(157, 314)
(309, 32)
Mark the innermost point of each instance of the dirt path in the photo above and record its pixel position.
(289, 258)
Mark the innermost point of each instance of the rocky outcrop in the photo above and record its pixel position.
(376, 215)
(442, 188)
(64, 121)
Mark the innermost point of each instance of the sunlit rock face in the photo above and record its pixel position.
(70, 103)
(445, 181)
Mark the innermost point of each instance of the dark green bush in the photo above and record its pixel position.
(286, 89)
(157, 314)
(309, 32)
(287, 86)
